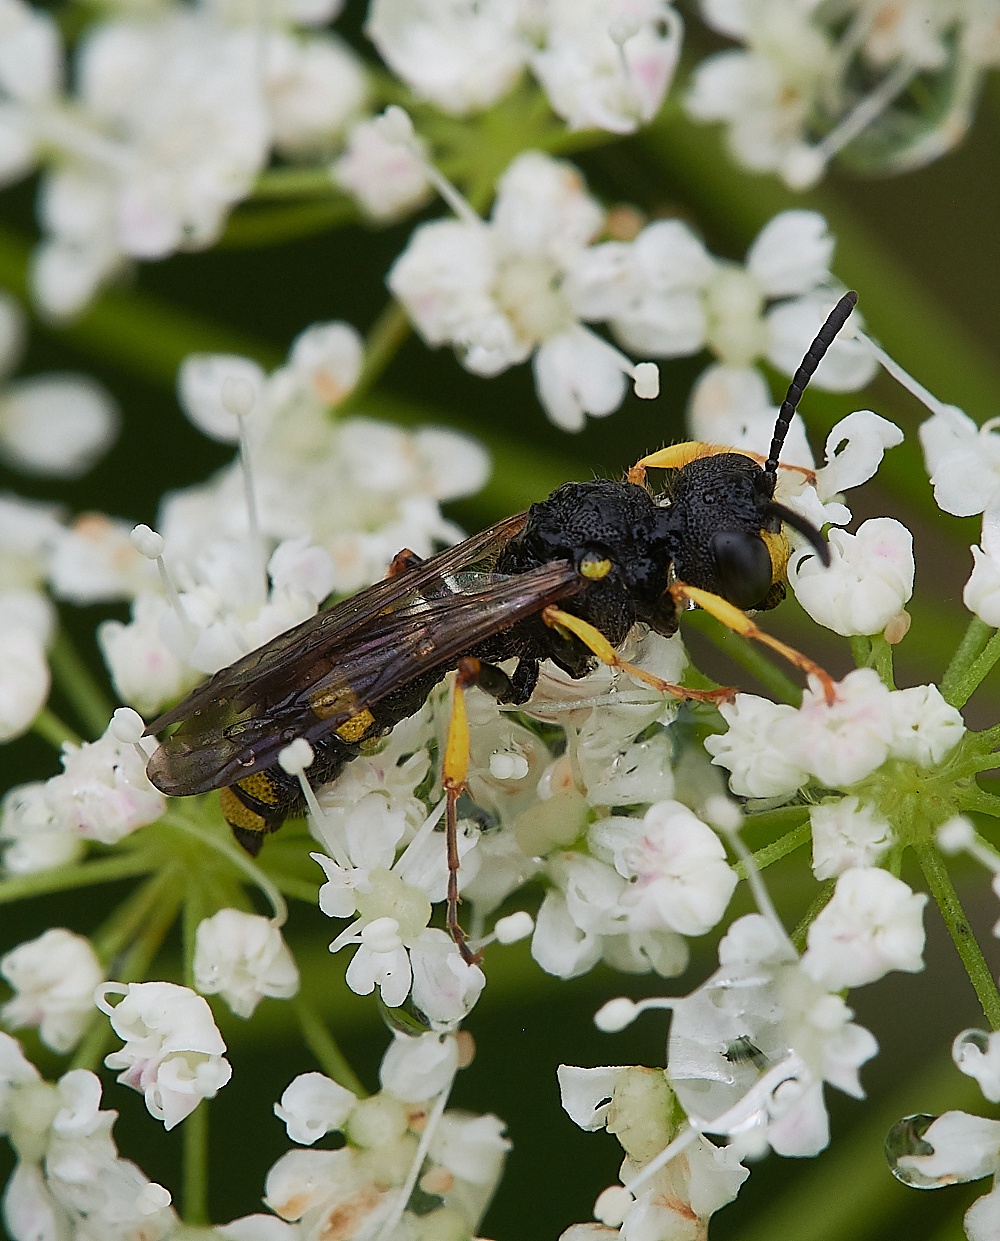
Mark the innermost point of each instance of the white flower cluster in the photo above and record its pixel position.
(791, 98)
(243, 958)
(604, 64)
(747, 1058)
(53, 978)
(176, 110)
(70, 1180)
(772, 750)
(392, 1139)
(524, 284)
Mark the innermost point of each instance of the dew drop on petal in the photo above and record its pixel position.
(905, 1139)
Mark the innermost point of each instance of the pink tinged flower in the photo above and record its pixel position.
(445, 987)
(977, 1054)
(53, 978)
(243, 958)
(417, 1069)
(760, 764)
(846, 834)
(56, 425)
(386, 178)
(462, 57)
(24, 681)
(103, 793)
(873, 924)
(323, 364)
(869, 579)
(681, 880)
(173, 1050)
(843, 743)
(312, 1105)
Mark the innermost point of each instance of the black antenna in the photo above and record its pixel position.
(837, 318)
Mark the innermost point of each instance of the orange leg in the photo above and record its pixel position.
(555, 618)
(454, 771)
(740, 623)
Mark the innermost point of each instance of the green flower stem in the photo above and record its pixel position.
(969, 768)
(964, 686)
(195, 1134)
(747, 655)
(969, 649)
(77, 682)
(297, 889)
(774, 852)
(801, 932)
(943, 891)
(323, 1046)
(91, 1051)
(77, 875)
(382, 343)
(783, 817)
(193, 913)
(266, 226)
(986, 740)
(50, 727)
(126, 922)
(975, 798)
(294, 183)
(238, 858)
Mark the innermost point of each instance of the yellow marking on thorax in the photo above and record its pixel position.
(356, 727)
(779, 550)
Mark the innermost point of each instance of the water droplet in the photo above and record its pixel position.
(979, 1039)
(906, 1139)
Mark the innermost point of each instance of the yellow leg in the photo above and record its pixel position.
(555, 618)
(740, 623)
(676, 456)
(454, 771)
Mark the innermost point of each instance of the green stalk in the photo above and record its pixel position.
(323, 1046)
(774, 852)
(382, 343)
(195, 1210)
(50, 728)
(76, 875)
(969, 649)
(747, 655)
(77, 682)
(126, 922)
(297, 889)
(294, 183)
(965, 686)
(801, 932)
(273, 225)
(782, 816)
(943, 891)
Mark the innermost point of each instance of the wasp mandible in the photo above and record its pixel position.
(565, 581)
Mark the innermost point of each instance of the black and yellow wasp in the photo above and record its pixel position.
(565, 581)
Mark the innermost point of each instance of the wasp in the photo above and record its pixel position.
(566, 580)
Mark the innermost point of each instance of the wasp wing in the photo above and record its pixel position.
(225, 739)
(263, 673)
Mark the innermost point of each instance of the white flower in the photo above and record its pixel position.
(381, 960)
(173, 1051)
(461, 56)
(24, 680)
(977, 1054)
(93, 561)
(210, 384)
(925, 727)
(869, 579)
(53, 978)
(103, 793)
(416, 1069)
(873, 924)
(495, 291)
(760, 765)
(445, 987)
(386, 177)
(846, 834)
(471, 1147)
(312, 1105)
(843, 743)
(144, 671)
(963, 461)
(681, 879)
(605, 64)
(965, 1148)
(313, 86)
(981, 594)
(242, 957)
(32, 838)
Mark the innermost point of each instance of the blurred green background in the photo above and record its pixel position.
(923, 251)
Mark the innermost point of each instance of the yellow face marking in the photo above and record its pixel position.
(779, 550)
(356, 727)
(260, 787)
(593, 568)
(238, 815)
(335, 700)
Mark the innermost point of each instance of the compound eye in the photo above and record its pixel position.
(742, 566)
